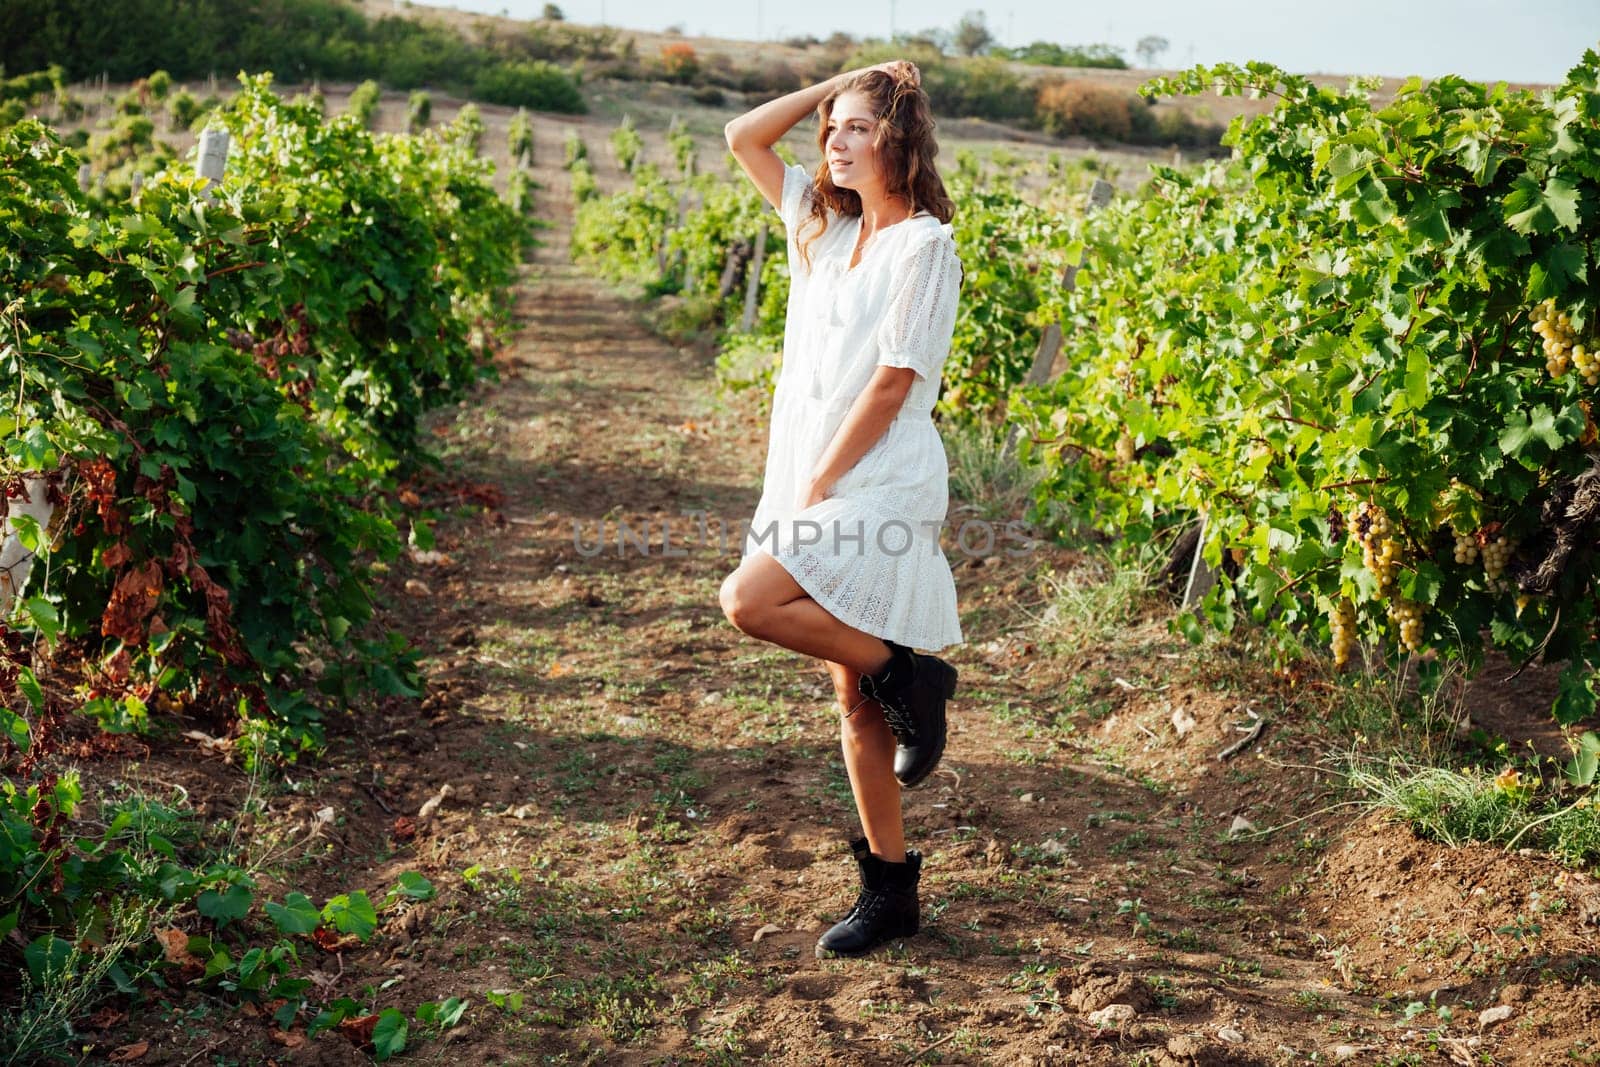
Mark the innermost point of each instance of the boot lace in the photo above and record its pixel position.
(868, 906)
(897, 714)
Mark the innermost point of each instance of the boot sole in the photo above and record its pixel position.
(837, 954)
(949, 687)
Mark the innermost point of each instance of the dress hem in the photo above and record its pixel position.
(808, 585)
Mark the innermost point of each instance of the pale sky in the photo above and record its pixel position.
(1486, 40)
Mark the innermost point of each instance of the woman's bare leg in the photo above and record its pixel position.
(764, 600)
(869, 759)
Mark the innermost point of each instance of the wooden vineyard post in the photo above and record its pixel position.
(1099, 197)
(1045, 355)
(738, 254)
(85, 177)
(1201, 576)
(1050, 343)
(752, 286)
(136, 188)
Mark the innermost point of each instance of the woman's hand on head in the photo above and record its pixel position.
(901, 70)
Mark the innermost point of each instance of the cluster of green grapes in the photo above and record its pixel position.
(1125, 449)
(1342, 625)
(1488, 544)
(1407, 615)
(1562, 348)
(1496, 554)
(1379, 551)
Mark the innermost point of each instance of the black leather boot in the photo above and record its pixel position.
(886, 908)
(912, 688)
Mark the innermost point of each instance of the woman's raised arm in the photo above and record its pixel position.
(751, 136)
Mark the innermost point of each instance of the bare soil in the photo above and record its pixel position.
(647, 820)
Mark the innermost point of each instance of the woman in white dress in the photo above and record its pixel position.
(842, 560)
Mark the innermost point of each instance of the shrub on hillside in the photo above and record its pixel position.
(983, 88)
(1071, 106)
(26, 87)
(182, 109)
(538, 85)
(680, 62)
(768, 79)
(1049, 54)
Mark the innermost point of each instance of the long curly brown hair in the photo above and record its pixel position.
(905, 146)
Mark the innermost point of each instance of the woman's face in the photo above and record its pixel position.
(850, 152)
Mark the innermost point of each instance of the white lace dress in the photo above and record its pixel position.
(870, 551)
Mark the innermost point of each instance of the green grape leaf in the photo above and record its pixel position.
(47, 957)
(28, 684)
(352, 913)
(389, 1034)
(225, 907)
(1522, 430)
(1530, 208)
(296, 915)
(414, 885)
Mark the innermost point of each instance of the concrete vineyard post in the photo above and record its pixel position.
(16, 559)
(213, 155)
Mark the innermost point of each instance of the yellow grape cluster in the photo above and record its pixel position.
(1562, 348)
(1125, 449)
(1466, 547)
(1407, 615)
(1379, 552)
(1496, 554)
(1342, 625)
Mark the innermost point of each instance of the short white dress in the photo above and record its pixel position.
(869, 552)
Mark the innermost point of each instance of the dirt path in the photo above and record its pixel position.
(648, 819)
(647, 790)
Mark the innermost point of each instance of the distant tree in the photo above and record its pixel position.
(552, 13)
(1150, 48)
(1047, 53)
(972, 36)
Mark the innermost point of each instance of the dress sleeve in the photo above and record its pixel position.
(921, 316)
(796, 196)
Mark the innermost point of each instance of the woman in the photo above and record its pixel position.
(842, 560)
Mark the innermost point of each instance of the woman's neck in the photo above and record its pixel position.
(879, 209)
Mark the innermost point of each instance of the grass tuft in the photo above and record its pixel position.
(1456, 807)
(984, 476)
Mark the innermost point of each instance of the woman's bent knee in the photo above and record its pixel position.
(737, 604)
